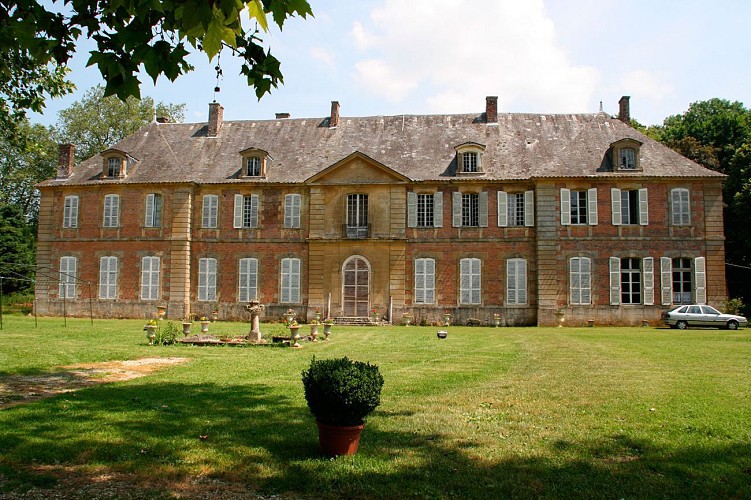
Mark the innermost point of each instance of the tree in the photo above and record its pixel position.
(26, 160)
(717, 134)
(97, 122)
(16, 250)
(154, 35)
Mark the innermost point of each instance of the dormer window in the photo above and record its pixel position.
(113, 167)
(254, 162)
(469, 158)
(115, 164)
(626, 154)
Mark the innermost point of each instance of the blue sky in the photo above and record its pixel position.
(391, 57)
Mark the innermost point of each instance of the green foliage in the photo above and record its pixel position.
(16, 250)
(340, 391)
(732, 306)
(156, 35)
(97, 122)
(167, 335)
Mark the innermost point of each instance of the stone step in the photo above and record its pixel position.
(354, 321)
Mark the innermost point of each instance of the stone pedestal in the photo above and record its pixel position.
(255, 309)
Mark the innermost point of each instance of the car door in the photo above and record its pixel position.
(694, 316)
(711, 317)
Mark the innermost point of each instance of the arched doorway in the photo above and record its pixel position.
(356, 287)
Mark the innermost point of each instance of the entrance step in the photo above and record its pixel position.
(354, 321)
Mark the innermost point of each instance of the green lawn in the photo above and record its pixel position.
(507, 412)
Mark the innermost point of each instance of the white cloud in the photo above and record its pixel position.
(455, 55)
(645, 84)
(322, 56)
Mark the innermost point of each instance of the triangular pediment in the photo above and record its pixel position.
(357, 168)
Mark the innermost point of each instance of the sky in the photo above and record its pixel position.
(393, 57)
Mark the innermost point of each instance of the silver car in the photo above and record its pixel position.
(682, 317)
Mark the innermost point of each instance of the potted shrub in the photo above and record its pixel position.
(340, 394)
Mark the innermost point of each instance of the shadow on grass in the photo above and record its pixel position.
(257, 436)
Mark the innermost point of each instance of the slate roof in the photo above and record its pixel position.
(420, 147)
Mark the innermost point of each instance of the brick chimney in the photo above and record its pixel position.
(65, 160)
(162, 119)
(216, 116)
(491, 109)
(281, 116)
(624, 110)
(334, 120)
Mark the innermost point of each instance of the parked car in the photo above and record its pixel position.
(682, 317)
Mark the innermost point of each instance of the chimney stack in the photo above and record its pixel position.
(281, 116)
(65, 160)
(491, 109)
(216, 116)
(162, 119)
(624, 110)
(334, 120)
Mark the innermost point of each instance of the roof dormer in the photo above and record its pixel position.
(254, 163)
(115, 164)
(469, 158)
(626, 155)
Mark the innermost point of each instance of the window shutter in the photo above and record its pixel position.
(103, 276)
(615, 280)
(592, 206)
(286, 280)
(586, 280)
(529, 208)
(475, 278)
(510, 281)
(254, 210)
(648, 265)
(675, 206)
(295, 281)
(149, 210)
(429, 281)
(565, 207)
(155, 263)
(252, 279)
(70, 212)
(420, 281)
(456, 208)
(615, 202)
(502, 209)
(464, 286)
(666, 279)
(700, 273)
(438, 209)
(643, 207)
(242, 292)
(521, 281)
(288, 210)
(411, 209)
(686, 213)
(483, 199)
(238, 220)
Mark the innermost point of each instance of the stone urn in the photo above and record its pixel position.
(314, 331)
(161, 311)
(151, 333)
(294, 335)
(327, 330)
(407, 318)
(186, 327)
(214, 315)
(205, 325)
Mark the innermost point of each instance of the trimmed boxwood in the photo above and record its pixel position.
(341, 391)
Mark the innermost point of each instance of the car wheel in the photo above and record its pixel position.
(732, 325)
(681, 325)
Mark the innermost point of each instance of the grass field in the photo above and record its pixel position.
(485, 413)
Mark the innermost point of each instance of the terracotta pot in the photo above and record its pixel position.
(334, 440)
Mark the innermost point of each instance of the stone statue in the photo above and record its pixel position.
(255, 308)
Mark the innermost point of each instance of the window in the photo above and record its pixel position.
(253, 166)
(470, 282)
(631, 280)
(150, 278)
(111, 211)
(114, 165)
(153, 210)
(681, 279)
(290, 281)
(246, 211)
(292, 204)
(627, 158)
(580, 280)
(516, 281)
(425, 209)
(424, 281)
(629, 206)
(469, 162)
(108, 277)
(206, 279)
(210, 211)
(248, 281)
(357, 216)
(68, 277)
(70, 212)
(579, 207)
(680, 207)
(470, 209)
(516, 209)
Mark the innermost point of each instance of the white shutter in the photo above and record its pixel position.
(242, 284)
(149, 210)
(521, 281)
(70, 212)
(248, 282)
(456, 209)
(648, 265)
(288, 210)
(529, 208)
(155, 264)
(502, 209)
(592, 206)
(585, 280)
(238, 219)
(465, 281)
(574, 280)
(483, 201)
(510, 281)
(438, 209)
(295, 280)
(419, 281)
(475, 284)
(615, 203)
(254, 210)
(103, 276)
(700, 275)
(565, 207)
(615, 281)
(296, 209)
(643, 207)
(429, 281)
(202, 279)
(286, 280)
(411, 209)
(666, 278)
